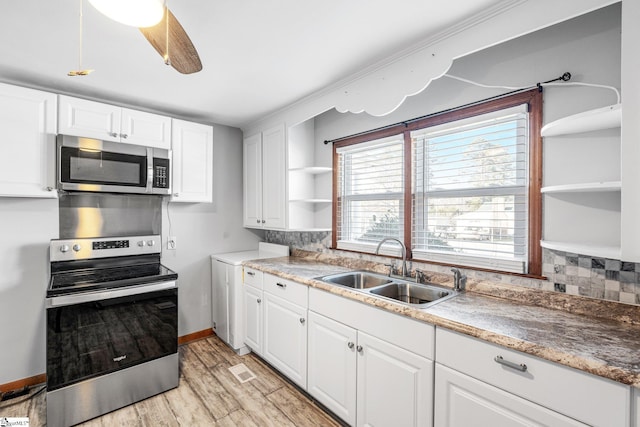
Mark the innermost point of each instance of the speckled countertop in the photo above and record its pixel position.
(595, 336)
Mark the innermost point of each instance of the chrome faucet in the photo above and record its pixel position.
(404, 253)
(459, 280)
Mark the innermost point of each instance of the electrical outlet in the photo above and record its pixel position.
(172, 243)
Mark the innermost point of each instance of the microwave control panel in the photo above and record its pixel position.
(160, 173)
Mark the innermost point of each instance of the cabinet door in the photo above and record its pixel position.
(395, 386)
(27, 154)
(635, 411)
(89, 119)
(141, 128)
(253, 319)
(192, 162)
(220, 299)
(252, 181)
(274, 174)
(332, 366)
(462, 401)
(285, 338)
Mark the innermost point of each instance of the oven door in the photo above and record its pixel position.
(92, 334)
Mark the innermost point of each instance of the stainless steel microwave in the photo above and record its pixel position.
(86, 164)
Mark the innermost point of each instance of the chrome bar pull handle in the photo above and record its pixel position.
(251, 273)
(281, 285)
(517, 366)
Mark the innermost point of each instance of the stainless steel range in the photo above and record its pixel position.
(112, 326)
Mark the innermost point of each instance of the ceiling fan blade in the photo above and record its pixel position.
(182, 54)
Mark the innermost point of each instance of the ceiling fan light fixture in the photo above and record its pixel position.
(136, 13)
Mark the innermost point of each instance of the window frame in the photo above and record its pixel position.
(533, 100)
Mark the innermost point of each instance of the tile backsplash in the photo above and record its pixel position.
(573, 274)
(594, 277)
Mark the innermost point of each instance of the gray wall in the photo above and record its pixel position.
(27, 225)
(202, 229)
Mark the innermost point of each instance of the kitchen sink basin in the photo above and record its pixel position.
(399, 290)
(411, 293)
(357, 279)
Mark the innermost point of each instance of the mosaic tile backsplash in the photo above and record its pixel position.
(573, 274)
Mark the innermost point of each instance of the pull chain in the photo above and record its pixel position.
(79, 71)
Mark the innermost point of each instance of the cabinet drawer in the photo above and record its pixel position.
(296, 293)
(587, 398)
(253, 277)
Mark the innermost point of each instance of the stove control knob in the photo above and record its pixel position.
(64, 248)
(77, 247)
(141, 243)
(151, 242)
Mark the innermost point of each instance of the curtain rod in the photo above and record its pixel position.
(564, 77)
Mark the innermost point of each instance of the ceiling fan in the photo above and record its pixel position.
(159, 26)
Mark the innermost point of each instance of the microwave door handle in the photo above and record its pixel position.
(149, 170)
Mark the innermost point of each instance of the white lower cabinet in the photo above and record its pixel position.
(395, 386)
(462, 401)
(635, 411)
(285, 338)
(275, 313)
(483, 384)
(253, 312)
(332, 365)
(364, 379)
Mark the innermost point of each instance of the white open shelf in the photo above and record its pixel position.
(611, 252)
(589, 187)
(310, 201)
(313, 170)
(587, 121)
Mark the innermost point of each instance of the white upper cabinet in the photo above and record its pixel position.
(264, 169)
(91, 119)
(142, 128)
(192, 145)
(27, 156)
(285, 184)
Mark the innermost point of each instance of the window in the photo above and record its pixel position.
(460, 187)
(470, 191)
(371, 193)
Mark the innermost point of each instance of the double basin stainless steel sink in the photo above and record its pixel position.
(399, 290)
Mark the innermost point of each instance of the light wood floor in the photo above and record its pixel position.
(208, 395)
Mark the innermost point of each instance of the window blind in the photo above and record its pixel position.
(370, 194)
(470, 196)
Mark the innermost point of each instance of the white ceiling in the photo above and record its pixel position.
(258, 55)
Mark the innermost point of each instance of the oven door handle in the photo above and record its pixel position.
(62, 300)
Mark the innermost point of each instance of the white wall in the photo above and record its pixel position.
(27, 225)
